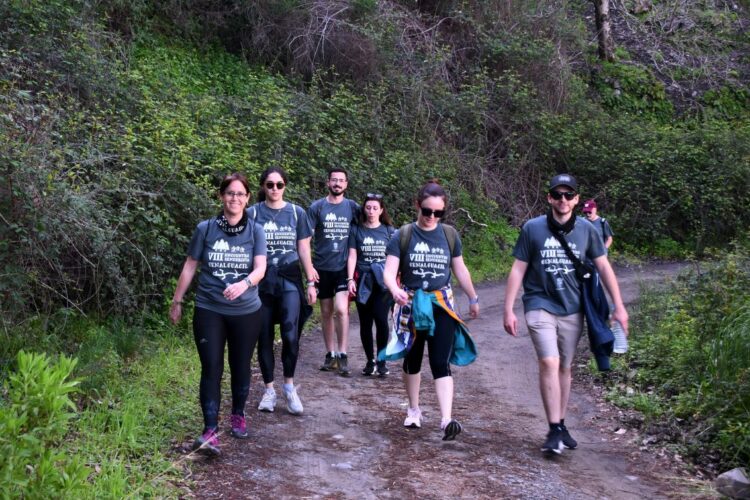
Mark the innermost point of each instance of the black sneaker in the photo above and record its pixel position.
(369, 369)
(382, 369)
(553, 443)
(567, 439)
(451, 430)
(329, 365)
(343, 363)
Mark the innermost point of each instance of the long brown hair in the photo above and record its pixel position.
(384, 217)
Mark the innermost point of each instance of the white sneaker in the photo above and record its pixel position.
(268, 401)
(413, 418)
(293, 403)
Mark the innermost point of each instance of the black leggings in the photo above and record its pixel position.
(375, 310)
(287, 309)
(440, 346)
(211, 331)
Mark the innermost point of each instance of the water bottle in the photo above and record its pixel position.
(621, 341)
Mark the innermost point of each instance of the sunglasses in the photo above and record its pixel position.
(557, 195)
(279, 185)
(374, 196)
(426, 212)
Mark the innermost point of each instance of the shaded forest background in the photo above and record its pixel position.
(118, 118)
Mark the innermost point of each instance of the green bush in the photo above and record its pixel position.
(690, 349)
(34, 419)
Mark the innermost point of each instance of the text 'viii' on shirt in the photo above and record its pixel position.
(427, 263)
(550, 282)
(370, 244)
(331, 223)
(283, 228)
(225, 260)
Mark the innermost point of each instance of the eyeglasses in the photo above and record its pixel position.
(426, 212)
(279, 185)
(557, 195)
(374, 196)
(234, 194)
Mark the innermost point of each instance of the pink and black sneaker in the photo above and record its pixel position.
(208, 443)
(239, 426)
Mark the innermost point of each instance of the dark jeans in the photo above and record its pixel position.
(375, 310)
(440, 346)
(287, 309)
(212, 331)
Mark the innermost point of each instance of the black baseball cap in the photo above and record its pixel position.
(563, 180)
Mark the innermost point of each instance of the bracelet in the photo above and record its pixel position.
(349, 279)
(248, 282)
(474, 301)
(310, 282)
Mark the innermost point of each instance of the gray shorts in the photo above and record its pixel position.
(555, 336)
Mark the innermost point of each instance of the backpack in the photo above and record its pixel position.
(406, 231)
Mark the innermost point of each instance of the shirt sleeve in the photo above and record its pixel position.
(353, 237)
(312, 216)
(394, 245)
(522, 250)
(304, 230)
(198, 240)
(260, 241)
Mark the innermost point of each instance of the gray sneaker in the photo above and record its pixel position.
(330, 364)
(268, 401)
(343, 361)
(293, 403)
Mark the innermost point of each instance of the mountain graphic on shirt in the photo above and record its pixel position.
(270, 226)
(331, 217)
(221, 245)
(551, 242)
(368, 241)
(422, 247)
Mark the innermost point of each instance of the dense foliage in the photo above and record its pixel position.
(118, 117)
(689, 361)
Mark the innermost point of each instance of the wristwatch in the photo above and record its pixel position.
(474, 301)
(248, 282)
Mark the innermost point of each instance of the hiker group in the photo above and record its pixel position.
(252, 258)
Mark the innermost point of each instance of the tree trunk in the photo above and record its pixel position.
(604, 30)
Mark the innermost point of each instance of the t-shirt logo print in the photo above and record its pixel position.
(435, 255)
(222, 255)
(554, 258)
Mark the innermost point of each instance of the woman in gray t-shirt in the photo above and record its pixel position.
(367, 242)
(231, 252)
(425, 254)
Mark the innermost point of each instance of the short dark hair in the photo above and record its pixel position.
(230, 178)
(341, 170)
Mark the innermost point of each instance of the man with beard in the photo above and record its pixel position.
(552, 297)
(331, 218)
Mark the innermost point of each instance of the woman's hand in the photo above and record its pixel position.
(352, 286)
(234, 290)
(312, 294)
(474, 311)
(400, 297)
(175, 312)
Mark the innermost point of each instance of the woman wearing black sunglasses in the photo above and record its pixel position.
(288, 234)
(425, 253)
(367, 241)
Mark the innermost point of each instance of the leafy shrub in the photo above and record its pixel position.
(690, 348)
(34, 418)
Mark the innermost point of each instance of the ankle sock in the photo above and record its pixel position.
(288, 388)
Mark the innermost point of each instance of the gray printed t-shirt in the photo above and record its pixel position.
(602, 226)
(550, 282)
(282, 229)
(225, 260)
(427, 263)
(370, 244)
(331, 224)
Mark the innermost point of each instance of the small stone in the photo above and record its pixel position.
(733, 483)
(343, 465)
(631, 478)
(621, 431)
(337, 437)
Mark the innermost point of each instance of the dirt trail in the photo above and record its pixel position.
(350, 442)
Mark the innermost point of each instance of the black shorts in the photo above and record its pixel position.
(331, 283)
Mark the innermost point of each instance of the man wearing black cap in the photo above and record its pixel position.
(552, 297)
